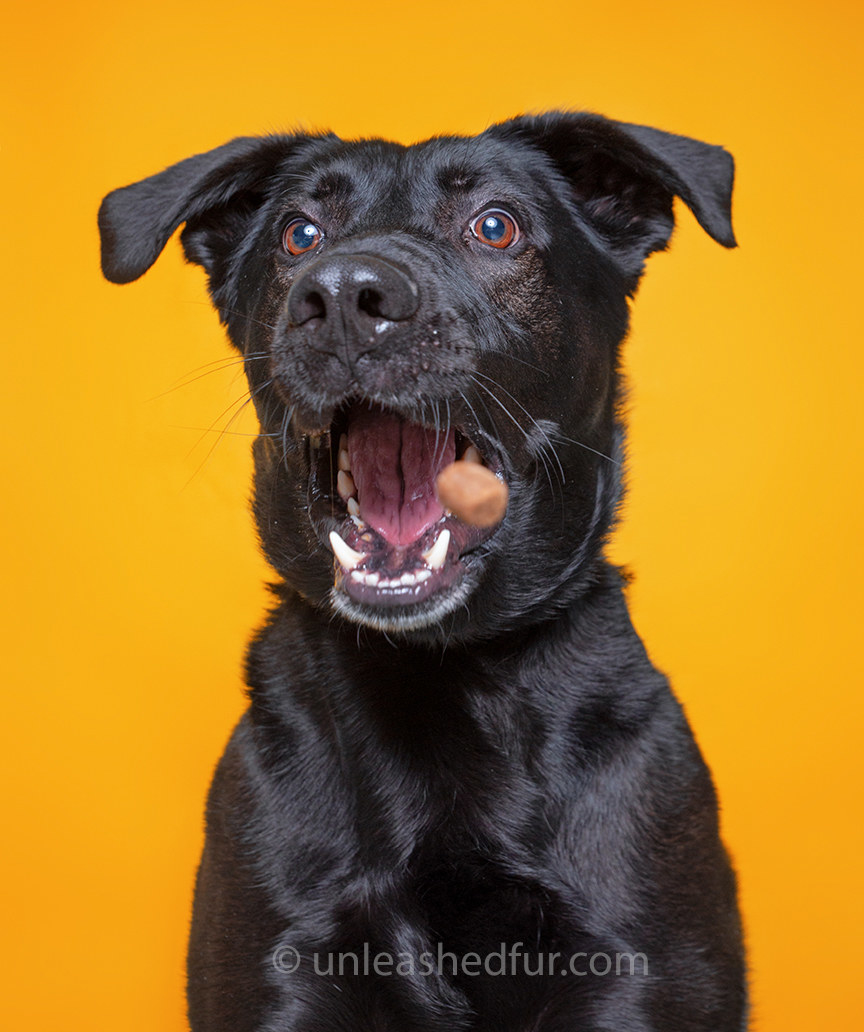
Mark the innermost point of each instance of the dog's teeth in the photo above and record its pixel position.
(363, 577)
(422, 575)
(438, 552)
(408, 578)
(472, 455)
(353, 507)
(344, 461)
(345, 485)
(348, 558)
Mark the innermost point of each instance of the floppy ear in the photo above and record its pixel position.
(213, 193)
(623, 178)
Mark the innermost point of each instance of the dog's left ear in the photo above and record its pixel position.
(215, 194)
(623, 178)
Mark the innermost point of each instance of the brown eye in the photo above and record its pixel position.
(301, 236)
(495, 228)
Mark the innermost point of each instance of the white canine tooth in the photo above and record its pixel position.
(472, 455)
(348, 558)
(345, 485)
(438, 552)
(344, 461)
(353, 507)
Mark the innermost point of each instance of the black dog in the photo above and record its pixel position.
(461, 798)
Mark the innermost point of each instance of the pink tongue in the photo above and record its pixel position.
(394, 465)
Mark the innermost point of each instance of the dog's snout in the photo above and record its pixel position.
(341, 297)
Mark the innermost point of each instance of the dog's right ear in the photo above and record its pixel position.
(213, 193)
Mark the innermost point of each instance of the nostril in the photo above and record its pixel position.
(369, 301)
(310, 306)
(342, 292)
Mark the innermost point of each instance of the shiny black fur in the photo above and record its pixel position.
(505, 765)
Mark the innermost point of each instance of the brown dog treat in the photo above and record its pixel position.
(473, 493)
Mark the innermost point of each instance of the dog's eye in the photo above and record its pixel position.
(301, 236)
(495, 228)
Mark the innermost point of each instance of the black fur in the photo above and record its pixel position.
(498, 763)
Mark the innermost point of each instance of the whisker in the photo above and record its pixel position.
(286, 421)
(506, 354)
(587, 447)
(215, 430)
(544, 433)
(209, 369)
(237, 313)
(212, 428)
(334, 473)
(471, 409)
(230, 360)
(540, 455)
(492, 418)
(437, 430)
(251, 397)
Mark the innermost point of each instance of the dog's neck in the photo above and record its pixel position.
(545, 666)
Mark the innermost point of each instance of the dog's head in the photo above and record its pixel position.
(399, 307)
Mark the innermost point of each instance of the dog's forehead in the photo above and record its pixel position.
(365, 175)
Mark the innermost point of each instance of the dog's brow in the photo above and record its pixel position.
(457, 177)
(331, 184)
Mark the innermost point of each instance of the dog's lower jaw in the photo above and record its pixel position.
(422, 617)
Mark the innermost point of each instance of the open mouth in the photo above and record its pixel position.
(372, 494)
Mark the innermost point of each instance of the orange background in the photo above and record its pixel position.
(132, 575)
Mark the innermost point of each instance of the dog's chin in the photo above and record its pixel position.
(412, 619)
(401, 561)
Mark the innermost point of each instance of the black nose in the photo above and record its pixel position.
(342, 299)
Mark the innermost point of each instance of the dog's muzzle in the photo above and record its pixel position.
(379, 439)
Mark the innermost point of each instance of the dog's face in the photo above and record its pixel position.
(400, 307)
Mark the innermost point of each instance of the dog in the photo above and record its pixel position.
(461, 793)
